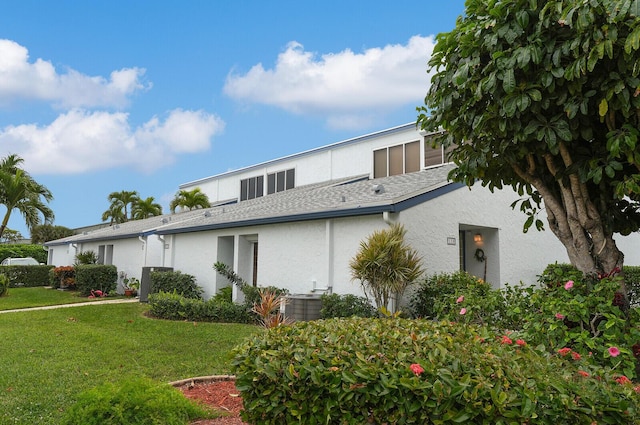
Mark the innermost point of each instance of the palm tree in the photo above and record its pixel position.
(19, 191)
(386, 265)
(190, 199)
(118, 212)
(145, 208)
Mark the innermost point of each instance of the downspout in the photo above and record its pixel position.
(143, 239)
(386, 217)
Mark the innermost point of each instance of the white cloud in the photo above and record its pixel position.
(347, 88)
(39, 81)
(80, 141)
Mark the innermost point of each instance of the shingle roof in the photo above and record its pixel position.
(346, 197)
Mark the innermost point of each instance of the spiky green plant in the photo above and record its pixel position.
(386, 265)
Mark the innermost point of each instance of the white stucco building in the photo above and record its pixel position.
(295, 222)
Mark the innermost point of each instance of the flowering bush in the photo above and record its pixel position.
(64, 276)
(398, 371)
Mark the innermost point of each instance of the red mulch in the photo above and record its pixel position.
(221, 395)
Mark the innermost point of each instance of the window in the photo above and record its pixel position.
(394, 160)
(251, 188)
(281, 181)
(105, 254)
(435, 156)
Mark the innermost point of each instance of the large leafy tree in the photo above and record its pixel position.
(190, 199)
(19, 191)
(145, 208)
(543, 96)
(121, 203)
(48, 232)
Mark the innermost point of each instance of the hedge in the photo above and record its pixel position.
(23, 250)
(397, 371)
(96, 277)
(27, 276)
(173, 306)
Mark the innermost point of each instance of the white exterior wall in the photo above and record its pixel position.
(342, 160)
(512, 255)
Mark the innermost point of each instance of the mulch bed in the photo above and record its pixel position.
(219, 393)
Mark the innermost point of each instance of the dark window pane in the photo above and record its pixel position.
(252, 188)
(291, 179)
(244, 190)
(259, 186)
(380, 163)
(396, 160)
(280, 181)
(271, 183)
(412, 157)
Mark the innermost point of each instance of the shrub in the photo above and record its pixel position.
(28, 276)
(386, 265)
(588, 317)
(458, 296)
(63, 276)
(348, 305)
(252, 293)
(87, 257)
(175, 281)
(224, 295)
(134, 401)
(397, 371)
(96, 277)
(173, 306)
(23, 250)
(4, 285)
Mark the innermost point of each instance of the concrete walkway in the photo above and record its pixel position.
(51, 307)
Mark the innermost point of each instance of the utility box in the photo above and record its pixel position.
(145, 282)
(303, 307)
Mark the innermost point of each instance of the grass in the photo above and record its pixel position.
(49, 356)
(38, 297)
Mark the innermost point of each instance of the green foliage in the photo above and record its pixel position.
(224, 295)
(48, 232)
(86, 257)
(544, 95)
(23, 250)
(397, 371)
(95, 277)
(438, 297)
(588, 317)
(227, 271)
(632, 283)
(348, 305)
(133, 401)
(27, 275)
(385, 265)
(173, 306)
(4, 285)
(252, 293)
(175, 281)
(189, 199)
(19, 191)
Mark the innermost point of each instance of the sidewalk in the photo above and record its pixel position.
(51, 307)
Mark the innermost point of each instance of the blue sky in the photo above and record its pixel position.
(102, 96)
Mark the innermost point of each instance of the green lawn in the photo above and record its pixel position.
(38, 297)
(47, 357)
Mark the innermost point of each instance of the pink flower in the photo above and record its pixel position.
(623, 380)
(575, 356)
(564, 351)
(463, 311)
(614, 352)
(506, 340)
(559, 316)
(568, 285)
(583, 373)
(416, 369)
(521, 342)
(460, 299)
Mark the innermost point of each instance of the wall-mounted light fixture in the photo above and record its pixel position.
(477, 238)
